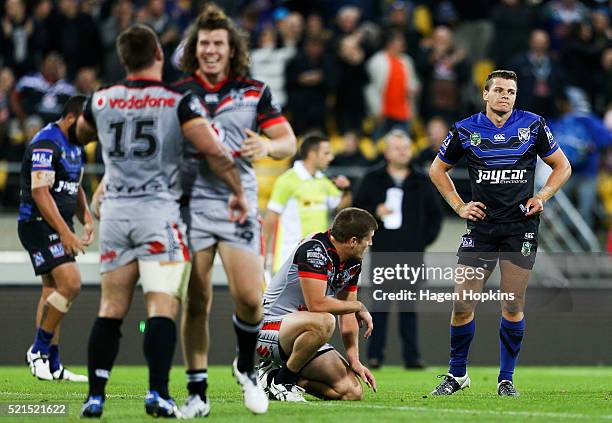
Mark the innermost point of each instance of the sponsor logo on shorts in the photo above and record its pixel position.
(467, 242)
(39, 260)
(71, 188)
(526, 249)
(502, 176)
(141, 103)
(53, 237)
(108, 256)
(529, 235)
(42, 158)
(57, 250)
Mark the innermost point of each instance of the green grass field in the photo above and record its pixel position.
(547, 394)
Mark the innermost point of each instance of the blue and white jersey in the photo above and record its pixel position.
(501, 161)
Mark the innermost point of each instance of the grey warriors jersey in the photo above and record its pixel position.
(233, 105)
(314, 258)
(139, 127)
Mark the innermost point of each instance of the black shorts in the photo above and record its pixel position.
(484, 244)
(43, 244)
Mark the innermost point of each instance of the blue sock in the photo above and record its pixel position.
(42, 341)
(510, 339)
(54, 358)
(461, 338)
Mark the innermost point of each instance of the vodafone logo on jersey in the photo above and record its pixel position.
(141, 103)
(99, 102)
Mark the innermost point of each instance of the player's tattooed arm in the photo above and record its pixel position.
(561, 171)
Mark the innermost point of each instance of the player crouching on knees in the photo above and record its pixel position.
(316, 284)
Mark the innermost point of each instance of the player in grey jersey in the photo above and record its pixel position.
(216, 58)
(140, 123)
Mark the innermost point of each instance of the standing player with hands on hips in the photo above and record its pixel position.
(502, 145)
(141, 123)
(51, 194)
(215, 56)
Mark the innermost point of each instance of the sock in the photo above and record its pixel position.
(42, 341)
(54, 358)
(101, 352)
(247, 340)
(158, 345)
(286, 376)
(461, 338)
(510, 339)
(197, 382)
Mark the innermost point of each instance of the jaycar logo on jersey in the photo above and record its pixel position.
(141, 103)
(502, 176)
(42, 158)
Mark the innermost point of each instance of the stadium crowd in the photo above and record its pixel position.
(353, 69)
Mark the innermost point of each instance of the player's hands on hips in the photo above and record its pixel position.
(365, 374)
(72, 244)
(364, 318)
(88, 234)
(342, 182)
(238, 208)
(534, 206)
(253, 146)
(474, 210)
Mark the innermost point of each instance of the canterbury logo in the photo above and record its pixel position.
(141, 103)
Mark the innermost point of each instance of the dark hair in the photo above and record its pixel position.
(311, 142)
(211, 18)
(136, 47)
(499, 73)
(74, 105)
(353, 222)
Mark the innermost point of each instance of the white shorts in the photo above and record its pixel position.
(268, 342)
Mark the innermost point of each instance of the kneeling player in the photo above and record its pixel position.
(316, 284)
(50, 195)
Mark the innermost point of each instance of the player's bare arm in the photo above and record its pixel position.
(349, 328)
(317, 301)
(96, 198)
(561, 172)
(41, 182)
(438, 172)
(269, 227)
(85, 217)
(281, 143)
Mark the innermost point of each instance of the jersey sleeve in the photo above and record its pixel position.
(268, 112)
(88, 110)
(545, 141)
(311, 260)
(190, 107)
(43, 156)
(352, 285)
(451, 149)
(281, 193)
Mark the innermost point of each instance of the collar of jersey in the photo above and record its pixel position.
(303, 173)
(198, 76)
(488, 122)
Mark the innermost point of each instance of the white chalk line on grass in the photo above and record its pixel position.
(356, 405)
(467, 411)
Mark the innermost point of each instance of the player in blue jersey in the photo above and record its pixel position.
(51, 194)
(501, 146)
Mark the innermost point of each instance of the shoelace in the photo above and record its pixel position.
(507, 388)
(446, 385)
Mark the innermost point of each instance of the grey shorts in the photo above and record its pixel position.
(268, 342)
(210, 224)
(149, 239)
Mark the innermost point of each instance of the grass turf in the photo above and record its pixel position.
(547, 394)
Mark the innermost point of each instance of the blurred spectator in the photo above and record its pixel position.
(399, 20)
(307, 86)
(444, 70)
(512, 20)
(540, 78)
(7, 79)
(154, 14)
(602, 33)
(583, 138)
(436, 132)
(17, 46)
(316, 26)
(86, 81)
(350, 155)
(405, 203)
(347, 21)
(122, 16)
(268, 63)
(560, 15)
(393, 86)
(474, 33)
(352, 79)
(291, 27)
(603, 95)
(75, 36)
(43, 93)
